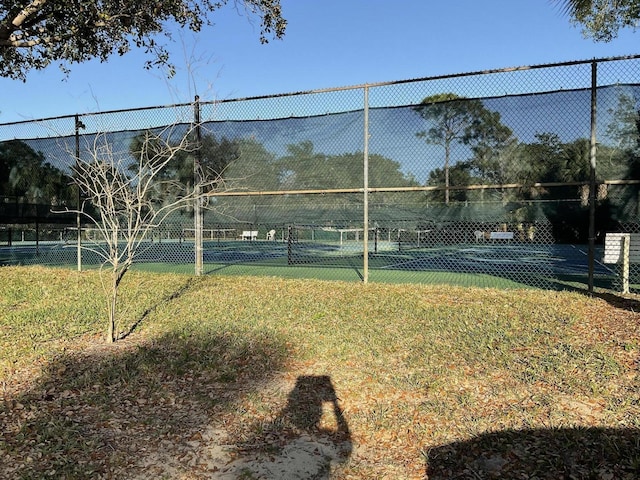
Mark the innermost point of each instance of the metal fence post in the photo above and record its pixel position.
(197, 186)
(592, 175)
(365, 256)
(78, 126)
(290, 245)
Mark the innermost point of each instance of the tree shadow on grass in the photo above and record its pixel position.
(161, 302)
(629, 302)
(122, 411)
(553, 454)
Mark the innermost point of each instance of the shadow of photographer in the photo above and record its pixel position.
(307, 437)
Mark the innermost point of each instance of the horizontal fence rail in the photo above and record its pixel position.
(503, 178)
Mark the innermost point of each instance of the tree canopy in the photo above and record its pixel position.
(451, 118)
(26, 174)
(213, 157)
(36, 33)
(602, 19)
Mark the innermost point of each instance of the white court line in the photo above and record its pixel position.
(595, 260)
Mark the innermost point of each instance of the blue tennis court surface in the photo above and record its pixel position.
(544, 259)
(519, 262)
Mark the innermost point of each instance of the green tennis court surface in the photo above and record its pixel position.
(499, 264)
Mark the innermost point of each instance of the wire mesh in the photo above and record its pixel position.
(478, 178)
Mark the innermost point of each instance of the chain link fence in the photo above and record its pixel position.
(486, 178)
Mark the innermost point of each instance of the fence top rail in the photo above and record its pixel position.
(333, 89)
(421, 188)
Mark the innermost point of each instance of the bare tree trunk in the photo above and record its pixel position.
(111, 331)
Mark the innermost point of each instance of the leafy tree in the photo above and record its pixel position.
(385, 172)
(253, 168)
(26, 173)
(454, 119)
(622, 158)
(309, 169)
(305, 169)
(178, 174)
(459, 174)
(619, 156)
(552, 161)
(569, 219)
(567, 165)
(622, 130)
(541, 156)
(602, 19)
(493, 146)
(573, 163)
(35, 33)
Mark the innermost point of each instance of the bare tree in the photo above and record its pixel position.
(129, 194)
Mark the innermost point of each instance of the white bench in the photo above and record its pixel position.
(622, 249)
(249, 235)
(501, 236)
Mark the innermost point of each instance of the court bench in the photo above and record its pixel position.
(501, 236)
(249, 235)
(481, 236)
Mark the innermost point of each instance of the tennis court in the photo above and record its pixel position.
(483, 264)
(512, 203)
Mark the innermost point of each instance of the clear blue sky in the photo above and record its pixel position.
(328, 43)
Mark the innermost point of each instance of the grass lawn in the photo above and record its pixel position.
(261, 377)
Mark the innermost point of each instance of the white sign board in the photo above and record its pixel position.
(613, 248)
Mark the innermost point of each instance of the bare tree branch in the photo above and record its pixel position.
(130, 196)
